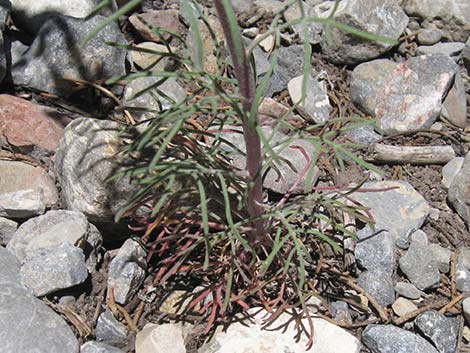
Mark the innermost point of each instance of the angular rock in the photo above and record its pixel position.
(153, 60)
(441, 330)
(32, 15)
(448, 48)
(98, 347)
(110, 331)
(429, 36)
(450, 170)
(462, 271)
(315, 103)
(54, 229)
(466, 55)
(408, 290)
(22, 203)
(16, 176)
(53, 268)
(441, 257)
(250, 337)
(166, 338)
(392, 339)
(398, 208)
(403, 306)
(314, 29)
(418, 264)
(127, 271)
(454, 107)
(379, 285)
(7, 229)
(271, 113)
(384, 18)
(145, 23)
(458, 10)
(364, 135)
(341, 313)
(376, 251)
(459, 191)
(57, 52)
(86, 157)
(29, 126)
(21, 312)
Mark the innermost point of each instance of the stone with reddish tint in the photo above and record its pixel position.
(145, 23)
(27, 125)
(272, 113)
(454, 107)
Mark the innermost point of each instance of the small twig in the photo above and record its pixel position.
(98, 304)
(453, 269)
(111, 302)
(127, 317)
(411, 315)
(451, 303)
(139, 312)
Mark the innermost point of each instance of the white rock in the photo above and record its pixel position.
(22, 203)
(450, 170)
(267, 43)
(403, 306)
(166, 338)
(466, 309)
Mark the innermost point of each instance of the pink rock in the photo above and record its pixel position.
(145, 23)
(24, 124)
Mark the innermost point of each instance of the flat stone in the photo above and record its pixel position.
(418, 264)
(408, 290)
(32, 15)
(403, 306)
(8, 227)
(459, 191)
(392, 339)
(86, 157)
(379, 285)
(127, 271)
(166, 338)
(444, 9)
(46, 330)
(249, 337)
(441, 330)
(364, 135)
(462, 271)
(110, 331)
(56, 52)
(413, 93)
(28, 126)
(448, 48)
(54, 229)
(314, 29)
(429, 36)
(153, 60)
(17, 176)
(454, 107)
(22, 204)
(145, 23)
(441, 257)
(54, 268)
(375, 251)
(450, 170)
(385, 18)
(98, 347)
(400, 209)
(315, 101)
(466, 309)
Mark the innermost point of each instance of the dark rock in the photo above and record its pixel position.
(441, 330)
(379, 285)
(459, 191)
(408, 290)
(110, 331)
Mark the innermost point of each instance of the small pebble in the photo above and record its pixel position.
(403, 306)
(429, 36)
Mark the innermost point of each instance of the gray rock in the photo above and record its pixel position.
(384, 18)
(17, 176)
(446, 10)
(86, 157)
(21, 312)
(375, 250)
(392, 339)
(364, 135)
(32, 15)
(290, 64)
(56, 228)
(413, 92)
(441, 257)
(429, 36)
(466, 55)
(153, 60)
(341, 313)
(22, 204)
(441, 330)
(53, 268)
(98, 347)
(315, 102)
(314, 29)
(110, 331)
(466, 309)
(450, 170)
(462, 271)
(379, 285)
(5, 7)
(459, 191)
(400, 209)
(449, 48)
(127, 271)
(7, 229)
(454, 107)
(418, 264)
(408, 290)
(57, 52)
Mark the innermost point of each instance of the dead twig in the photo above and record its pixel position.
(411, 315)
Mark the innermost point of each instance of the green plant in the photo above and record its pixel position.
(207, 223)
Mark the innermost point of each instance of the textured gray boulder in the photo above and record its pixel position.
(86, 157)
(56, 52)
(459, 191)
(127, 271)
(441, 330)
(22, 204)
(376, 252)
(380, 17)
(379, 285)
(392, 339)
(22, 313)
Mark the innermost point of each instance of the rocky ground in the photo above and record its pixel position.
(74, 281)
